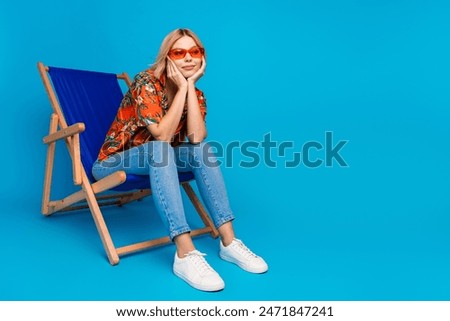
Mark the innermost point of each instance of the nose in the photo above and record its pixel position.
(187, 57)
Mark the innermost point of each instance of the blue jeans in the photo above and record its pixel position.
(161, 162)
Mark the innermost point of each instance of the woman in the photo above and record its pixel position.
(160, 111)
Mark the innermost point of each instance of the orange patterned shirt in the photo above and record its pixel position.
(145, 103)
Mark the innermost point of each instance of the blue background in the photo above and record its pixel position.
(373, 72)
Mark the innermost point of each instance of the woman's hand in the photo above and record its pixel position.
(193, 79)
(175, 75)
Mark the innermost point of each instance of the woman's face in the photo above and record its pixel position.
(187, 65)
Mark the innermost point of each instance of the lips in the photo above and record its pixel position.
(188, 67)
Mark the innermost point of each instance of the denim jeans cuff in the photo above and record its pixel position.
(224, 220)
(175, 233)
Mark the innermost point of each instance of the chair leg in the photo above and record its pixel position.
(105, 236)
(200, 209)
(49, 166)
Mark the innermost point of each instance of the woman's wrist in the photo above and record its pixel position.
(191, 82)
(191, 87)
(183, 88)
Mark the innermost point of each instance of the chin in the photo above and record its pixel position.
(188, 74)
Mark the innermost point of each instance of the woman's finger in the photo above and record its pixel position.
(172, 64)
(176, 70)
(203, 62)
(170, 70)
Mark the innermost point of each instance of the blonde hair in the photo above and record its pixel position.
(159, 67)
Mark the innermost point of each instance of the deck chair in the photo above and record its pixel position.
(84, 105)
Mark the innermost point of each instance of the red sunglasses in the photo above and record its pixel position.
(194, 52)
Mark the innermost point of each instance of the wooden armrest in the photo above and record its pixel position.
(64, 133)
(72, 131)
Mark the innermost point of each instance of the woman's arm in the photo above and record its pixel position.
(166, 128)
(196, 129)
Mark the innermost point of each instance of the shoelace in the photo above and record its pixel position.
(244, 250)
(200, 263)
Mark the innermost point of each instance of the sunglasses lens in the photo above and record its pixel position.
(177, 54)
(195, 52)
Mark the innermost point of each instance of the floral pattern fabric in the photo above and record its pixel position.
(145, 103)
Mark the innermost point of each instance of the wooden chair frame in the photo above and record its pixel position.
(90, 196)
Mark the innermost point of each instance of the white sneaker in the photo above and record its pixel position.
(236, 252)
(194, 269)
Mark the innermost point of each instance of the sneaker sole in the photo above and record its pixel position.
(199, 286)
(242, 266)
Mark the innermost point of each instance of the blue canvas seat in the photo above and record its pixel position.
(84, 105)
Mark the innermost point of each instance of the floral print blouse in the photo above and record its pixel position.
(145, 103)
